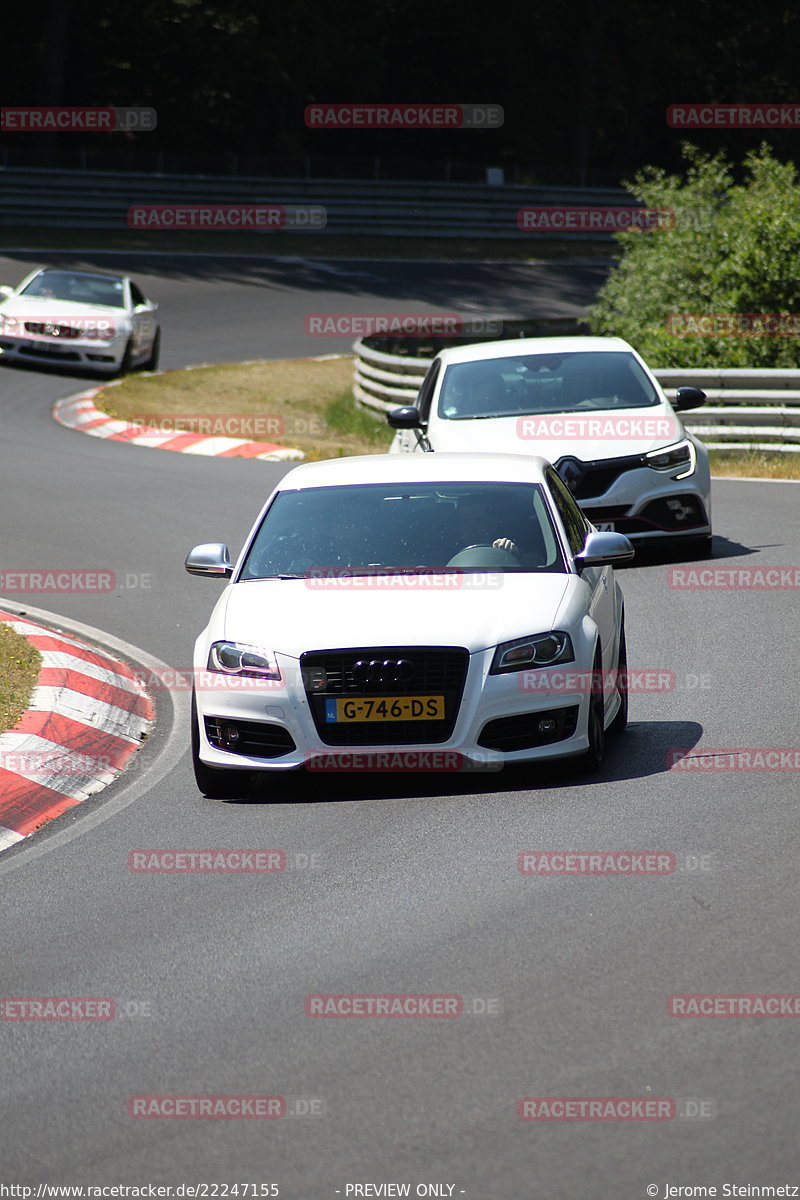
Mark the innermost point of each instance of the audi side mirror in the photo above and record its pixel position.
(212, 558)
(601, 549)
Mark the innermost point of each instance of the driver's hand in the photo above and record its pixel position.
(508, 545)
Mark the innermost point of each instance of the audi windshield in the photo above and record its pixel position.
(528, 384)
(388, 528)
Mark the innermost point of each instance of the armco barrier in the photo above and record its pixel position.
(751, 409)
(101, 199)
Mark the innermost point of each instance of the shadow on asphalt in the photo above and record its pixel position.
(721, 549)
(542, 288)
(643, 750)
(64, 370)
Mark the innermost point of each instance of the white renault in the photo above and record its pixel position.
(593, 408)
(431, 612)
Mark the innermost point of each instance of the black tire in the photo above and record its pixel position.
(155, 353)
(126, 366)
(621, 719)
(216, 783)
(591, 760)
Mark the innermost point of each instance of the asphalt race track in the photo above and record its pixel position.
(415, 886)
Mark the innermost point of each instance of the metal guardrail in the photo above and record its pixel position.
(747, 405)
(738, 417)
(101, 199)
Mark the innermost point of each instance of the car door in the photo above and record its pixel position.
(600, 580)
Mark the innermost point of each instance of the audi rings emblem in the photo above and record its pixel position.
(384, 672)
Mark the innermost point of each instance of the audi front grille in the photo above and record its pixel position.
(385, 672)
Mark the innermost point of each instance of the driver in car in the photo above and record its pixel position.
(480, 523)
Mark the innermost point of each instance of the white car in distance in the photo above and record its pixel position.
(79, 319)
(454, 603)
(591, 406)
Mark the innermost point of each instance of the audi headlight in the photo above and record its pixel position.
(232, 658)
(682, 454)
(541, 650)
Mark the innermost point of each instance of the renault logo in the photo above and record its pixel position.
(383, 672)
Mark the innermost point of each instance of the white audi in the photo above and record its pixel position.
(593, 408)
(79, 319)
(432, 612)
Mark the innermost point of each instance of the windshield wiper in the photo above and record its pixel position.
(260, 578)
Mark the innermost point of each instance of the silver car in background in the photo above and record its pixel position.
(80, 319)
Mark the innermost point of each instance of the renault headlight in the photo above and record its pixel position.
(681, 455)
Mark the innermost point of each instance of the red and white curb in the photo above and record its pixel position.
(87, 716)
(80, 413)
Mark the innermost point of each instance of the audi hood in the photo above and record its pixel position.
(292, 616)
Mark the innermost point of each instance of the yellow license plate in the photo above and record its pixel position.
(386, 708)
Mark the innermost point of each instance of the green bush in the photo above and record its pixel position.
(733, 248)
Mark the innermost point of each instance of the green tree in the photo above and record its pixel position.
(733, 248)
